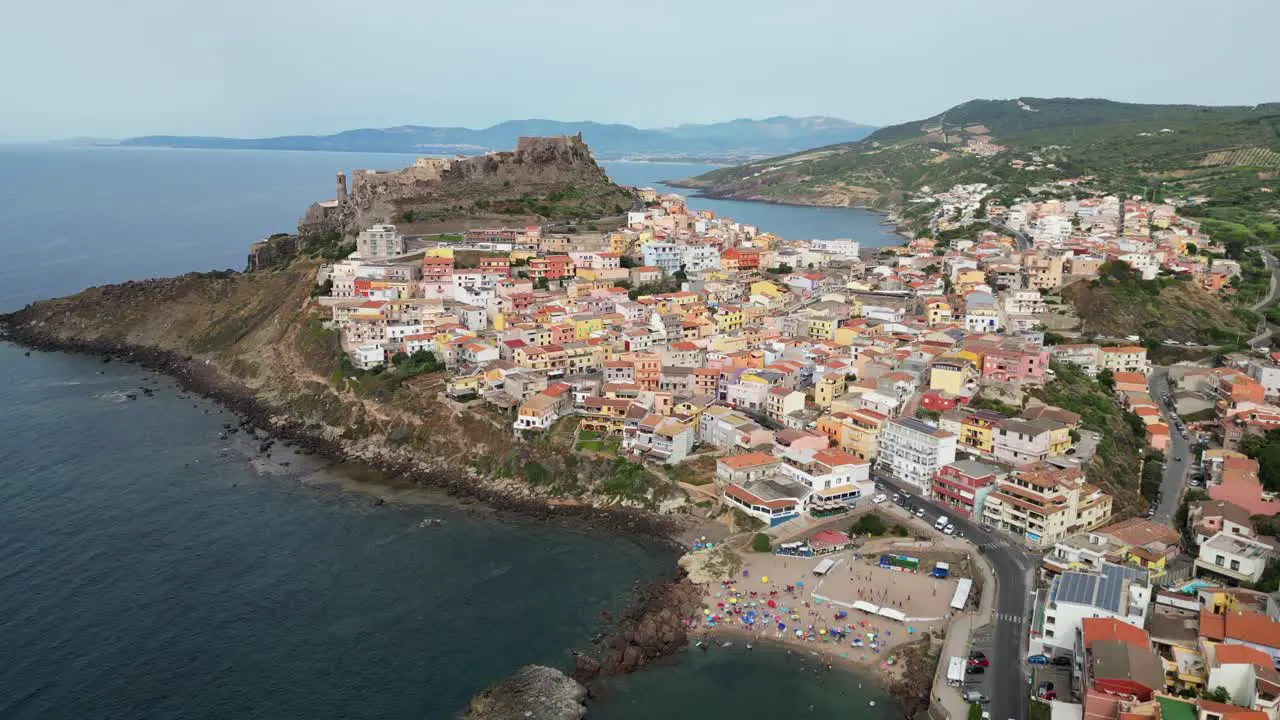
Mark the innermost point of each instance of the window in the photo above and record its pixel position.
(1048, 633)
(1235, 564)
(1050, 620)
(1219, 561)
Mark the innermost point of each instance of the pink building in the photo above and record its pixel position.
(1239, 485)
(1023, 366)
(962, 486)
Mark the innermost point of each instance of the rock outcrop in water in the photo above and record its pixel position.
(655, 626)
(534, 692)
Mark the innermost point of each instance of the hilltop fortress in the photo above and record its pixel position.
(533, 181)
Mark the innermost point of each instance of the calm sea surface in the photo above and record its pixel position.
(150, 569)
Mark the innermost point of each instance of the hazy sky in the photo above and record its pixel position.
(268, 67)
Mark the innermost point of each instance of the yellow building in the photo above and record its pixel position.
(584, 326)
(766, 288)
(1059, 440)
(822, 327)
(938, 312)
(729, 318)
(974, 428)
(831, 386)
(969, 278)
(951, 374)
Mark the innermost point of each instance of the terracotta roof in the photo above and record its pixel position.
(1253, 627)
(752, 459)
(1095, 629)
(1229, 654)
(1212, 626)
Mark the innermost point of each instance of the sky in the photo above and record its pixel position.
(253, 68)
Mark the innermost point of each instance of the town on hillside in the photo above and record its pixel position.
(802, 379)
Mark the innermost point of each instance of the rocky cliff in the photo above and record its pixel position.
(543, 178)
(534, 692)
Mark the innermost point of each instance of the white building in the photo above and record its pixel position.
(667, 256)
(1234, 557)
(833, 475)
(380, 242)
(844, 247)
(1119, 592)
(913, 451)
(368, 356)
(697, 258)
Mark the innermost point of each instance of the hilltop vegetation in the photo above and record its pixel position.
(1116, 466)
(1129, 148)
(1120, 303)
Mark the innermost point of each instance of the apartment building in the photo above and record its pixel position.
(1042, 504)
(1126, 358)
(963, 486)
(913, 451)
(1115, 592)
(379, 242)
(1084, 356)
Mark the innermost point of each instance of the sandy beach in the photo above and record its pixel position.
(778, 598)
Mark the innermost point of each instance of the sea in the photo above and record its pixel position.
(154, 566)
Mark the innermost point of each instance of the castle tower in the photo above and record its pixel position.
(342, 189)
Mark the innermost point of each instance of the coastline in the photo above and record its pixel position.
(699, 191)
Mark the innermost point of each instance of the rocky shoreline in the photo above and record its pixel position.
(651, 628)
(203, 378)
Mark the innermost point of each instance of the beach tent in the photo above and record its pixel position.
(892, 614)
(865, 607)
(823, 567)
(961, 596)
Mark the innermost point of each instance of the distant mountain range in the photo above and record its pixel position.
(734, 140)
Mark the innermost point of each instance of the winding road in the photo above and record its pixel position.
(1013, 566)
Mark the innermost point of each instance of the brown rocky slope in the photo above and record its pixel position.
(254, 341)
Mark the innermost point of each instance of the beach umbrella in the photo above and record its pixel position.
(764, 579)
(772, 604)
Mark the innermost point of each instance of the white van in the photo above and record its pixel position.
(942, 523)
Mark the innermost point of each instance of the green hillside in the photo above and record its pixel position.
(1149, 149)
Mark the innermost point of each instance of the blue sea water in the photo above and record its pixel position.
(151, 569)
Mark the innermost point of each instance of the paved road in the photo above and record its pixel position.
(1012, 565)
(1265, 329)
(1177, 457)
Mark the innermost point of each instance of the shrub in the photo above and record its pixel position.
(870, 524)
(760, 543)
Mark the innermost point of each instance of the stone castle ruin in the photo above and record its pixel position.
(440, 188)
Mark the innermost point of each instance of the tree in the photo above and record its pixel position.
(760, 543)
(869, 524)
(931, 269)
(1107, 380)
(900, 530)
(1218, 694)
(975, 711)
(399, 358)
(423, 357)
(780, 269)
(540, 284)
(680, 275)
(1192, 249)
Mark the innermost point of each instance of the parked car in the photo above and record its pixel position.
(919, 512)
(977, 654)
(973, 696)
(1038, 659)
(974, 670)
(979, 662)
(949, 529)
(1061, 660)
(878, 499)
